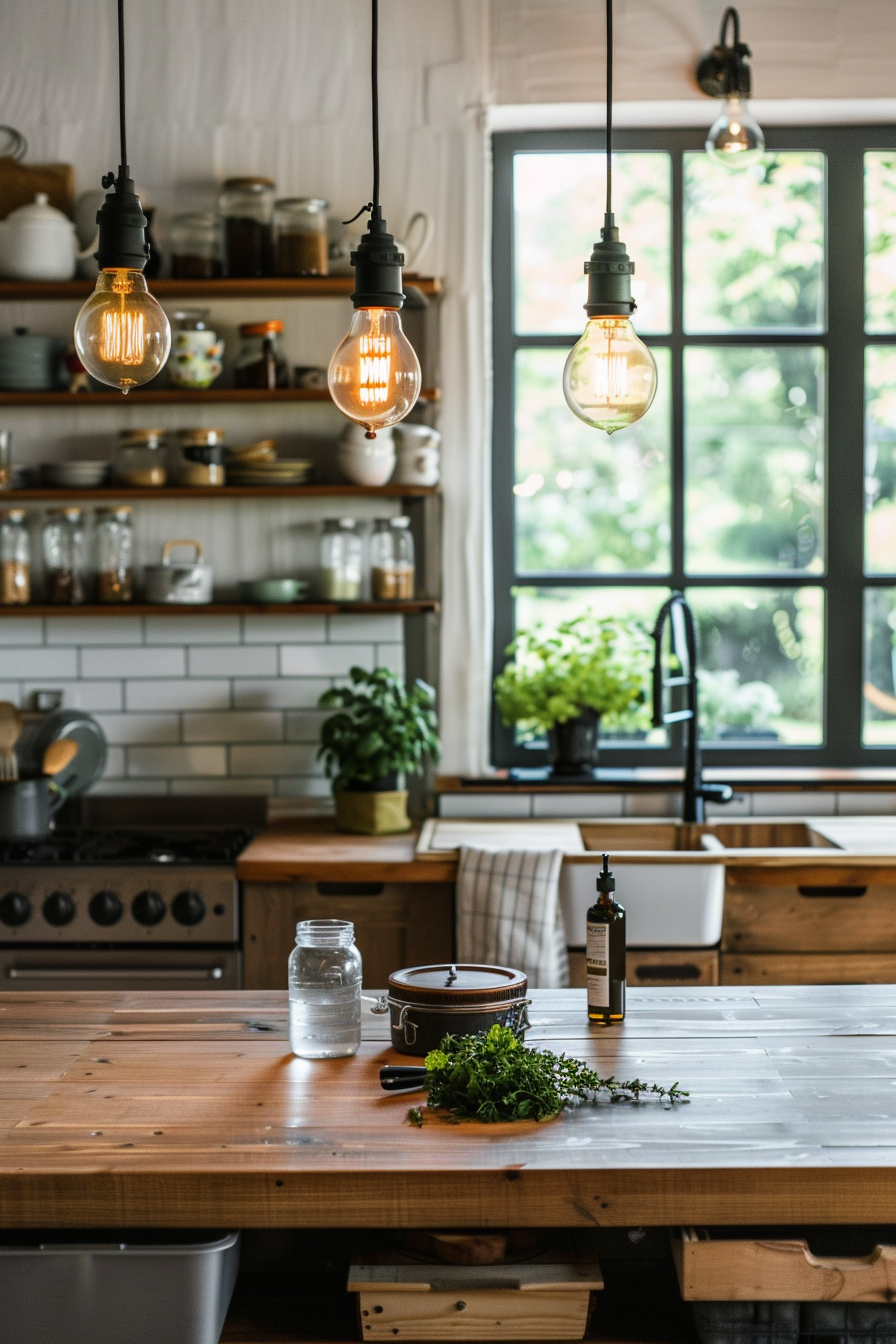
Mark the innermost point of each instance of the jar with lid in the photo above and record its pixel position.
(197, 251)
(392, 560)
(200, 459)
(260, 361)
(15, 559)
(246, 205)
(115, 554)
(340, 560)
(300, 236)
(65, 558)
(140, 459)
(324, 976)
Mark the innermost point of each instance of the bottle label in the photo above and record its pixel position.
(597, 958)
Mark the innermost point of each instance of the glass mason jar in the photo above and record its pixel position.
(140, 459)
(200, 459)
(246, 205)
(115, 554)
(197, 251)
(260, 361)
(324, 990)
(15, 559)
(341, 556)
(65, 560)
(392, 560)
(300, 236)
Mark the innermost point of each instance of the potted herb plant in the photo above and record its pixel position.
(382, 731)
(565, 682)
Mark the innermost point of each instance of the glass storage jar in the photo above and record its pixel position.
(200, 458)
(341, 556)
(115, 554)
(300, 236)
(197, 251)
(65, 557)
(260, 361)
(392, 560)
(15, 559)
(140, 459)
(246, 205)
(324, 976)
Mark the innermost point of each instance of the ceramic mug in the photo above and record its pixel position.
(366, 461)
(195, 358)
(418, 455)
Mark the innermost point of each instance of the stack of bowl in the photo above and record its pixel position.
(85, 475)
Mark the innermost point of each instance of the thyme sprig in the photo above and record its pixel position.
(493, 1077)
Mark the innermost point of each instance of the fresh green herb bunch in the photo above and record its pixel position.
(383, 728)
(583, 664)
(493, 1076)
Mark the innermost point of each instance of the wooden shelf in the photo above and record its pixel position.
(415, 608)
(112, 493)
(176, 396)
(270, 287)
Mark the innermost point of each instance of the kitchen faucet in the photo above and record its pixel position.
(684, 650)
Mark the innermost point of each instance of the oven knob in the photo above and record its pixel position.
(15, 909)
(59, 908)
(105, 908)
(188, 907)
(148, 907)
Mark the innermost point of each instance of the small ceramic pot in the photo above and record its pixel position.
(38, 242)
(418, 455)
(572, 746)
(184, 583)
(366, 461)
(195, 359)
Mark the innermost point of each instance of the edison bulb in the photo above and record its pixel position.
(374, 375)
(609, 379)
(122, 336)
(735, 137)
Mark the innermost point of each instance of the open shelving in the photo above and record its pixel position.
(161, 494)
(416, 607)
(265, 287)
(178, 396)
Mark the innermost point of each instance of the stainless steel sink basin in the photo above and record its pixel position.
(677, 837)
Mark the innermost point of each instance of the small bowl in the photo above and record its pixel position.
(274, 592)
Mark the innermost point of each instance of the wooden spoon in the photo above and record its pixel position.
(58, 755)
(10, 730)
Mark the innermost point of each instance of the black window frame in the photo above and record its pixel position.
(843, 338)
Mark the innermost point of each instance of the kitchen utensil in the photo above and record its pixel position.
(59, 754)
(30, 363)
(261, 472)
(274, 590)
(85, 475)
(427, 1002)
(416, 237)
(417, 451)
(187, 583)
(366, 461)
(38, 242)
(27, 807)
(86, 764)
(402, 1077)
(10, 732)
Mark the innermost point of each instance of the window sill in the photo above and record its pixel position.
(783, 778)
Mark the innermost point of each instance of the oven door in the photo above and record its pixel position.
(36, 968)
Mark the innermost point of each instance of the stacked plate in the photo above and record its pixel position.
(85, 475)
(269, 472)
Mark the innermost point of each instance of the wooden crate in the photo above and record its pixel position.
(716, 1269)
(654, 966)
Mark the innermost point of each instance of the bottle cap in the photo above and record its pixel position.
(606, 882)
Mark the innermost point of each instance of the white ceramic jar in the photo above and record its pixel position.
(417, 455)
(366, 461)
(38, 242)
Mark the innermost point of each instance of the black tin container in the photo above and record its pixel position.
(426, 1003)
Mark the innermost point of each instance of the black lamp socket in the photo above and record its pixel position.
(123, 244)
(609, 270)
(377, 262)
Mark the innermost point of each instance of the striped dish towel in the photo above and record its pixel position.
(508, 913)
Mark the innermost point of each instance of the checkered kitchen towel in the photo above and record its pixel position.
(508, 913)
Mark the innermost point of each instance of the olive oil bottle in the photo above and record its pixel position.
(605, 953)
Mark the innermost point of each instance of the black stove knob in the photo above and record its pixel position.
(59, 908)
(188, 907)
(105, 908)
(148, 908)
(15, 909)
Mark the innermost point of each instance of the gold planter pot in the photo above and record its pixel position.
(372, 813)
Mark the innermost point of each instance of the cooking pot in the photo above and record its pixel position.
(187, 583)
(426, 1003)
(38, 242)
(27, 806)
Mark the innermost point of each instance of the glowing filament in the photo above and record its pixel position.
(375, 369)
(123, 337)
(610, 377)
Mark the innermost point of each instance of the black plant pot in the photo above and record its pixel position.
(572, 746)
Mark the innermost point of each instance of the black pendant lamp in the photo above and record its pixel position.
(735, 137)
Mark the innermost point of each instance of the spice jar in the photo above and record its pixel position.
(260, 361)
(300, 236)
(196, 246)
(140, 459)
(246, 205)
(15, 559)
(340, 560)
(64, 557)
(115, 554)
(392, 560)
(324, 976)
(200, 457)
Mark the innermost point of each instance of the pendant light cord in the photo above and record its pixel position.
(609, 210)
(373, 205)
(121, 116)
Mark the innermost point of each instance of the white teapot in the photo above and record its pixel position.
(38, 242)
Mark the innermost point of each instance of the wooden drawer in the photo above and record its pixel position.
(816, 910)
(715, 1268)
(396, 925)
(656, 967)
(808, 968)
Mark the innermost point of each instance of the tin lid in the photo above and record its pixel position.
(12, 515)
(271, 328)
(248, 184)
(458, 984)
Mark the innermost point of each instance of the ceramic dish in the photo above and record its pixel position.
(74, 474)
(274, 591)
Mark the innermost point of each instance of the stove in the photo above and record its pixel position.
(121, 909)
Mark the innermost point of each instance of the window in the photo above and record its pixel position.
(763, 479)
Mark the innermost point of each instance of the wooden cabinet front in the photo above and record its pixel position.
(677, 966)
(821, 910)
(396, 925)
(809, 968)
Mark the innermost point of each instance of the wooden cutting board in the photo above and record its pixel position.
(20, 183)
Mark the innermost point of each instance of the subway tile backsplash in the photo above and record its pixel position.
(204, 704)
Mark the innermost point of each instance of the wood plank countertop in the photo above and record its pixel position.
(314, 851)
(188, 1110)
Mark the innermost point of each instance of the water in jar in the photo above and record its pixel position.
(324, 990)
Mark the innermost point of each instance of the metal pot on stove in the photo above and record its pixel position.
(426, 1003)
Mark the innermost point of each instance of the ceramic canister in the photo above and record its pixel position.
(418, 455)
(366, 461)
